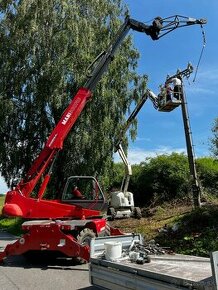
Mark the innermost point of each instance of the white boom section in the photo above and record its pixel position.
(128, 169)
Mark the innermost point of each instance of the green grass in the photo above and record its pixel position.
(2, 200)
(11, 225)
(196, 233)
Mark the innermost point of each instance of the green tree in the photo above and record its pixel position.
(214, 140)
(45, 49)
(166, 177)
(118, 174)
(162, 178)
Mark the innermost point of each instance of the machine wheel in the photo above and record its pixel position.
(84, 238)
(137, 213)
(112, 213)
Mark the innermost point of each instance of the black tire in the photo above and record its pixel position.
(84, 238)
(137, 213)
(112, 213)
(132, 208)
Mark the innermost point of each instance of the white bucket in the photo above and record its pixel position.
(113, 250)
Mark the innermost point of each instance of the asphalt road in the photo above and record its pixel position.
(17, 273)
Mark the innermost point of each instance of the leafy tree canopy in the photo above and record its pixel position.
(45, 49)
(163, 178)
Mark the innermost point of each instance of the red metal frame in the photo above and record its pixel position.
(56, 236)
(19, 205)
(47, 237)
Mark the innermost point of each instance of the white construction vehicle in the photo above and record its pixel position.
(121, 202)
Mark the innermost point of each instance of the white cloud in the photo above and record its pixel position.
(209, 75)
(206, 82)
(200, 90)
(138, 139)
(137, 155)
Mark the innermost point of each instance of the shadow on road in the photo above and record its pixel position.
(44, 264)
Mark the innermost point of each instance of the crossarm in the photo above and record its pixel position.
(173, 22)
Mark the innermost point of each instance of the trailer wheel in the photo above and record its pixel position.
(111, 212)
(84, 238)
(137, 213)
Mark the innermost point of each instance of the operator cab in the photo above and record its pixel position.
(85, 192)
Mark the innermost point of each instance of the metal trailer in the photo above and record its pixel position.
(164, 272)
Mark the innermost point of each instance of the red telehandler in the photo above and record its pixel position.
(66, 226)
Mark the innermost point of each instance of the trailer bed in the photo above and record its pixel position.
(163, 272)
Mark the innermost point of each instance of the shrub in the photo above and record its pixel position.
(208, 174)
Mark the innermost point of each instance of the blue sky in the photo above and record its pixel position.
(160, 132)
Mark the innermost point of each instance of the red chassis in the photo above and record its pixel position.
(56, 236)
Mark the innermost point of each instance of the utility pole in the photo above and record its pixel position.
(196, 190)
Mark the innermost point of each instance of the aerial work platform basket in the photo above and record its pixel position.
(169, 105)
